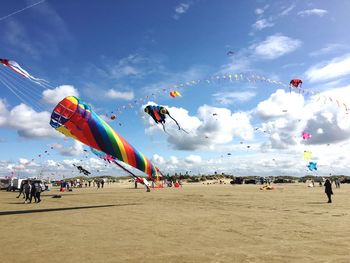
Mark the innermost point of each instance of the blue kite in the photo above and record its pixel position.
(312, 166)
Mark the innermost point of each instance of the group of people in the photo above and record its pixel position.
(30, 189)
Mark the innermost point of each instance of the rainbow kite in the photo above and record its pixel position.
(75, 119)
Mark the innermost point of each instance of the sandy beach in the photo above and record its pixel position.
(196, 223)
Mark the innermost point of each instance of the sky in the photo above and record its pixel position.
(113, 53)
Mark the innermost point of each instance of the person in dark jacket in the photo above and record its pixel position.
(27, 191)
(33, 192)
(38, 190)
(21, 190)
(328, 190)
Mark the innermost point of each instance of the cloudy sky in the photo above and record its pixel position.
(113, 53)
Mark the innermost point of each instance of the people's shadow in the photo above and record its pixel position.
(17, 212)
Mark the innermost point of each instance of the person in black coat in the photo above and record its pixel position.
(328, 190)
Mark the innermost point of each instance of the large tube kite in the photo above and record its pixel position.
(75, 119)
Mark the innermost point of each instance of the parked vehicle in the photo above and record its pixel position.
(5, 183)
(17, 183)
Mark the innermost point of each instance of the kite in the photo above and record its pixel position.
(175, 93)
(296, 83)
(307, 155)
(306, 135)
(82, 170)
(77, 120)
(230, 53)
(113, 117)
(13, 65)
(312, 166)
(158, 113)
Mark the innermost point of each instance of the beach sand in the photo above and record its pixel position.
(196, 223)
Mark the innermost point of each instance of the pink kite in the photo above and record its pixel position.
(306, 135)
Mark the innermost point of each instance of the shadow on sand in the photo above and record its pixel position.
(17, 212)
(316, 203)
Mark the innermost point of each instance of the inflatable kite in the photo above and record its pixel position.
(77, 120)
(158, 113)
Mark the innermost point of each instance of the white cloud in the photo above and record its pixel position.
(124, 95)
(259, 11)
(128, 66)
(159, 160)
(211, 127)
(54, 96)
(329, 49)
(280, 104)
(287, 115)
(76, 149)
(26, 121)
(337, 67)
(262, 23)
(173, 160)
(193, 159)
(133, 65)
(315, 11)
(180, 9)
(228, 98)
(275, 46)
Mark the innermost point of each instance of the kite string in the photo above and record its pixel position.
(21, 10)
(28, 95)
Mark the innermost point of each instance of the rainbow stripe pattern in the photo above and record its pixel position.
(76, 119)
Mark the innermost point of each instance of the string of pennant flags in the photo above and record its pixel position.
(249, 77)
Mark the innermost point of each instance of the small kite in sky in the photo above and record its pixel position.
(307, 155)
(158, 113)
(230, 53)
(296, 83)
(312, 166)
(175, 93)
(306, 135)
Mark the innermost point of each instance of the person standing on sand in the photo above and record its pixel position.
(328, 190)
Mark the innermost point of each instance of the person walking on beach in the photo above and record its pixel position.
(21, 190)
(102, 183)
(32, 192)
(37, 192)
(328, 190)
(27, 192)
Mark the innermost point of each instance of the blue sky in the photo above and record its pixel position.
(111, 53)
